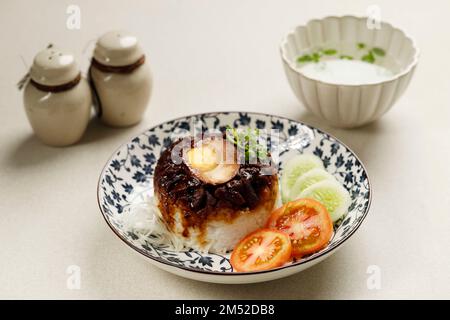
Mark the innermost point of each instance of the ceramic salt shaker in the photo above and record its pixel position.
(121, 79)
(57, 98)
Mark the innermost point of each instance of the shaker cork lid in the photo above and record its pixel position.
(117, 48)
(53, 67)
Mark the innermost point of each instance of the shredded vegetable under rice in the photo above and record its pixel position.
(144, 220)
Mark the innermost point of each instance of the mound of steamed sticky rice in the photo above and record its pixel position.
(206, 204)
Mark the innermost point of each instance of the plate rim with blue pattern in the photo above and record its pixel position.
(204, 263)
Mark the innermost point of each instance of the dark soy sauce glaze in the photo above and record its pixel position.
(177, 187)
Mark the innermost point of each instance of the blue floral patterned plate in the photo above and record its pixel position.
(128, 175)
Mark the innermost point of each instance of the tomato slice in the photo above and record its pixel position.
(307, 222)
(263, 249)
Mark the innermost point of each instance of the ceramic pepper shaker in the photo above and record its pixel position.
(57, 98)
(121, 79)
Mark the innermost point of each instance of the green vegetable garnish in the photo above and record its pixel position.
(304, 58)
(368, 57)
(379, 52)
(246, 140)
(329, 52)
(316, 57)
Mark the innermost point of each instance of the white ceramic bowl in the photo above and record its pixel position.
(344, 105)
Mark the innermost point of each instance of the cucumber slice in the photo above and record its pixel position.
(308, 179)
(294, 168)
(332, 195)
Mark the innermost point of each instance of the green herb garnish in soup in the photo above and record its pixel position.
(369, 57)
(348, 64)
(329, 52)
(379, 52)
(304, 58)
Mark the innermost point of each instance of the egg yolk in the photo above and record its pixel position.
(202, 158)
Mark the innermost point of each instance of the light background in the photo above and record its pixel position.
(220, 55)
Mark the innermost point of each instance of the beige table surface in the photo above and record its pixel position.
(220, 55)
